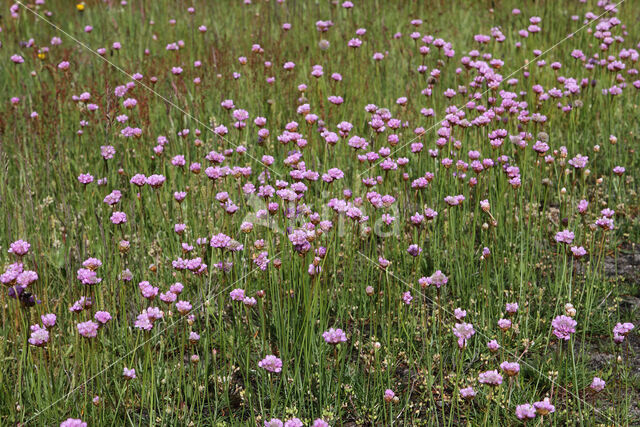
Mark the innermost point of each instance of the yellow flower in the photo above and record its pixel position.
(80, 7)
(42, 55)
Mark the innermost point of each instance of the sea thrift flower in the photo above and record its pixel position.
(389, 395)
(88, 329)
(579, 162)
(129, 374)
(544, 407)
(73, 422)
(463, 331)
(510, 368)
(176, 288)
(156, 181)
(26, 278)
(85, 178)
(437, 279)
(467, 393)
(88, 277)
(237, 294)
(334, 336)
(139, 180)
(582, 206)
(48, 320)
(564, 236)
(183, 307)
(19, 248)
(619, 170)
(147, 290)
(525, 412)
(621, 330)
(504, 324)
(597, 384)
(492, 378)
(578, 251)
(39, 336)
(563, 327)
(493, 346)
(193, 337)
(271, 363)
(102, 317)
(168, 297)
(118, 218)
(407, 298)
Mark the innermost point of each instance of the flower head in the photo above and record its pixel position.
(492, 378)
(129, 374)
(39, 336)
(88, 329)
(271, 363)
(544, 407)
(463, 331)
(19, 248)
(334, 336)
(525, 411)
(563, 327)
(467, 393)
(437, 279)
(597, 384)
(73, 422)
(510, 368)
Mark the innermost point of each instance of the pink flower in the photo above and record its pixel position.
(510, 368)
(19, 248)
(168, 297)
(579, 162)
(504, 324)
(139, 180)
(237, 294)
(129, 374)
(88, 329)
(334, 336)
(544, 407)
(563, 327)
(621, 330)
(437, 279)
(118, 218)
(407, 298)
(39, 336)
(156, 181)
(463, 331)
(389, 395)
(88, 277)
(183, 307)
(48, 320)
(597, 384)
(73, 422)
(102, 317)
(459, 313)
(85, 178)
(467, 393)
(565, 236)
(525, 411)
(492, 378)
(271, 363)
